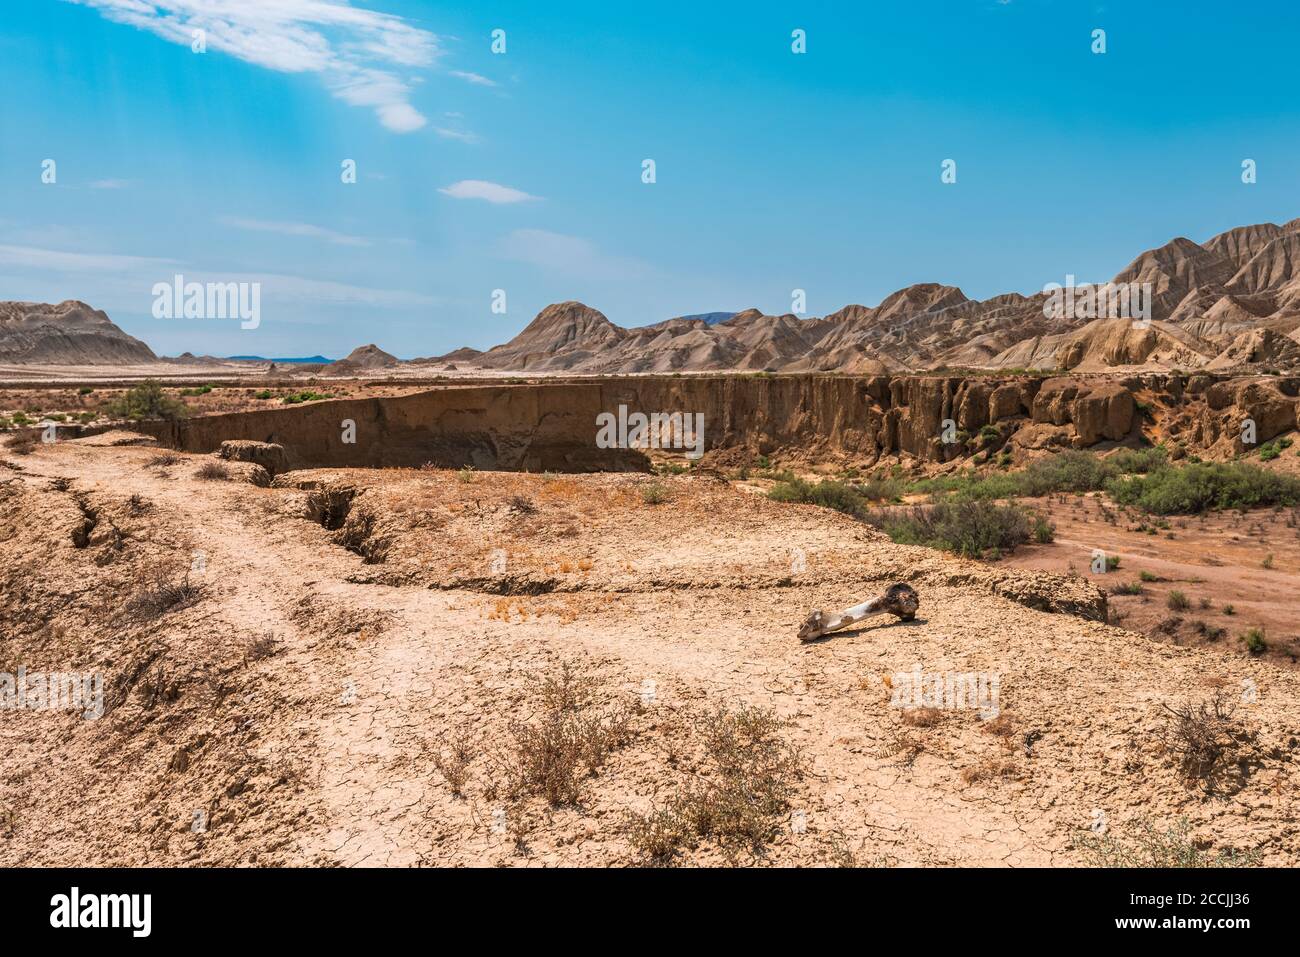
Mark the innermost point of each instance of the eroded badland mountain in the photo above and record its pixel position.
(357, 614)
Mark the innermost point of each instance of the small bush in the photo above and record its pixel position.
(161, 596)
(1153, 847)
(654, 494)
(1204, 739)
(570, 740)
(970, 528)
(146, 401)
(1177, 601)
(739, 798)
(213, 472)
(1255, 642)
(827, 494)
(24, 443)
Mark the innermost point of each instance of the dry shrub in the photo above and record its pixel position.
(163, 460)
(263, 646)
(1153, 847)
(988, 770)
(213, 472)
(567, 743)
(904, 746)
(740, 798)
(22, 443)
(1206, 741)
(160, 596)
(454, 766)
(922, 717)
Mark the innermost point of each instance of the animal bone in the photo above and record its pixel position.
(899, 600)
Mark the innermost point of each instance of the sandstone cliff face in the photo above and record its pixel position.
(553, 425)
(1096, 410)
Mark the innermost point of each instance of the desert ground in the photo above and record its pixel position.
(408, 667)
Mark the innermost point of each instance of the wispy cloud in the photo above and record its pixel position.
(477, 79)
(447, 134)
(295, 229)
(33, 257)
(110, 184)
(572, 255)
(356, 52)
(128, 280)
(482, 189)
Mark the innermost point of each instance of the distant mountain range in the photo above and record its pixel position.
(1232, 302)
(1229, 303)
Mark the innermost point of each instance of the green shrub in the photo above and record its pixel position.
(827, 493)
(654, 494)
(1068, 471)
(966, 527)
(1204, 486)
(146, 401)
(1177, 601)
(1254, 639)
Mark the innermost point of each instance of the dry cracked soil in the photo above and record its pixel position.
(392, 668)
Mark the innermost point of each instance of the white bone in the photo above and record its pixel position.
(899, 600)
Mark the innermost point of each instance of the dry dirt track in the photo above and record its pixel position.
(324, 751)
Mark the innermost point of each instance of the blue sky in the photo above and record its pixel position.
(775, 170)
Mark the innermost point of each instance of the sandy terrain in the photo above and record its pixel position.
(1231, 567)
(296, 708)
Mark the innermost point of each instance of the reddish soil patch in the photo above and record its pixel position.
(1237, 570)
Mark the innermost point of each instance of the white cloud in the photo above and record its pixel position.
(110, 184)
(447, 134)
(571, 255)
(32, 257)
(482, 189)
(354, 51)
(127, 281)
(295, 229)
(476, 78)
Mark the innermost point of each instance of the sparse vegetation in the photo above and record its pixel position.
(160, 596)
(1204, 739)
(654, 494)
(826, 493)
(972, 528)
(741, 796)
(1255, 642)
(1152, 846)
(567, 743)
(146, 401)
(213, 472)
(305, 395)
(1205, 486)
(1177, 601)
